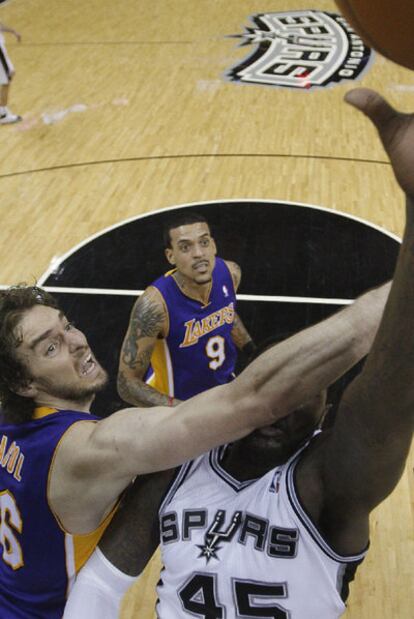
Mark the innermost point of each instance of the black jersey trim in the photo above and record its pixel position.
(345, 576)
(175, 483)
(312, 529)
(5, 64)
(215, 457)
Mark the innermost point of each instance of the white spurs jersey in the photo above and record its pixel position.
(235, 549)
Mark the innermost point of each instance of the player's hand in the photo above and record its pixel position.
(396, 131)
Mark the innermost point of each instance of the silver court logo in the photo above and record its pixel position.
(301, 49)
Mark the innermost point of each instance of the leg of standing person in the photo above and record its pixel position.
(6, 75)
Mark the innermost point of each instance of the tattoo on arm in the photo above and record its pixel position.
(139, 393)
(239, 333)
(235, 272)
(146, 322)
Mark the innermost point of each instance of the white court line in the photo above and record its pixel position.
(240, 297)
(57, 260)
(282, 299)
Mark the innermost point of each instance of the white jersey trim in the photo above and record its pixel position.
(70, 562)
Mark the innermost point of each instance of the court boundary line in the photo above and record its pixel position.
(240, 297)
(57, 261)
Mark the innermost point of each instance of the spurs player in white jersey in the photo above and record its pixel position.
(234, 546)
(284, 545)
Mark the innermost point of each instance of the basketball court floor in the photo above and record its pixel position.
(231, 108)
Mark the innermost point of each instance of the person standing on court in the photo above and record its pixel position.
(184, 330)
(7, 73)
(276, 523)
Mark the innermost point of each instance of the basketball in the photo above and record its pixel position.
(385, 25)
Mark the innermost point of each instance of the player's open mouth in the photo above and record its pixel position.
(271, 431)
(201, 266)
(88, 365)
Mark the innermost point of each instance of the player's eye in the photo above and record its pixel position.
(51, 349)
(69, 326)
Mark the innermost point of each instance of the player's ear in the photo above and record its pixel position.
(214, 246)
(26, 390)
(169, 254)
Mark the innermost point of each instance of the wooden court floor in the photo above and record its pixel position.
(126, 111)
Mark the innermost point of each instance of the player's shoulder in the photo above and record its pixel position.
(73, 445)
(165, 284)
(152, 293)
(151, 299)
(149, 314)
(235, 272)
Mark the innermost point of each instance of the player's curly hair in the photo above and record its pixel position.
(14, 302)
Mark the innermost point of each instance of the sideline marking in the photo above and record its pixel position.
(240, 297)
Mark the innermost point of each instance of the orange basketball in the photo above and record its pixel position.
(385, 25)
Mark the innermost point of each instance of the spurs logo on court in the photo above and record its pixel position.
(301, 49)
(213, 536)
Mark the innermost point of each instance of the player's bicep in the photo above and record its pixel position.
(81, 489)
(364, 458)
(80, 458)
(140, 443)
(132, 442)
(146, 324)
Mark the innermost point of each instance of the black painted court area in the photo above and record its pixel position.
(283, 250)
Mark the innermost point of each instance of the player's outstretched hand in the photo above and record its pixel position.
(396, 131)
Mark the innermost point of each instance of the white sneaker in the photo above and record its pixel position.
(8, 118)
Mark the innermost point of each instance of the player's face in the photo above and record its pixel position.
(276, 443)
(192, 252)
(57, 358)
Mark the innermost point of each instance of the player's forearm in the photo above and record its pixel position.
(136, 392)
(277, 382)
(143, 443)
(239, 333)
(388, 374)
(133, 535)
(295, 370)
(375, 420)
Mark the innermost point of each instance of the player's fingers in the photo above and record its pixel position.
(378, 110)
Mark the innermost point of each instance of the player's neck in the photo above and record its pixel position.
(242, 467)
(190, 288)
(82, 406)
